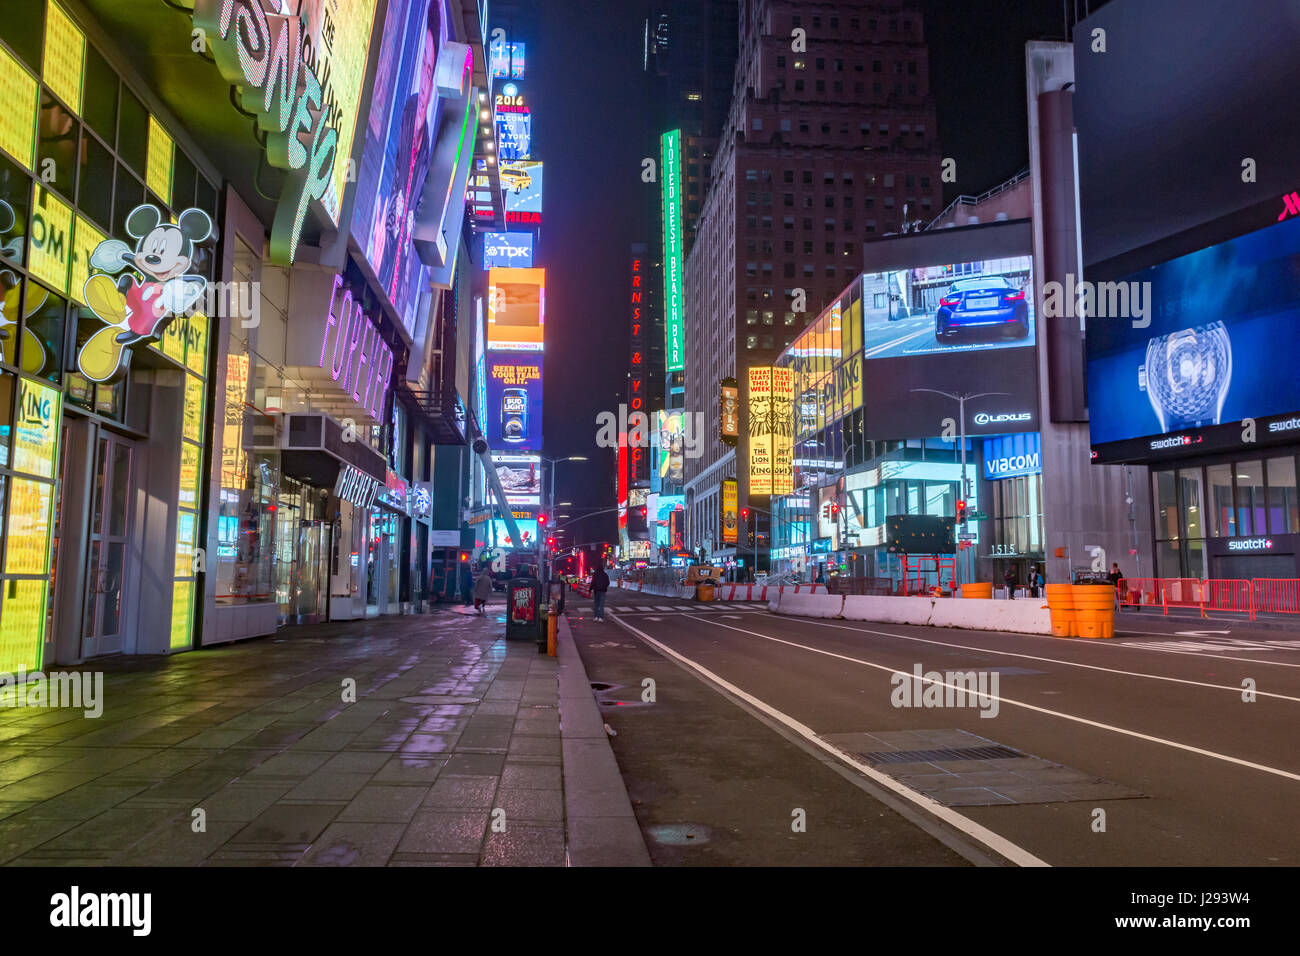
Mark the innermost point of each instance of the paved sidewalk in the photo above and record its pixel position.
(454, 732)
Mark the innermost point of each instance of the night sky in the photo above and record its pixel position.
(585, 80)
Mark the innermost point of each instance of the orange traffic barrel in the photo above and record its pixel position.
(1094, 609)
(1060, 605)
(978, 589)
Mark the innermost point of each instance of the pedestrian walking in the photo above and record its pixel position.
(482, 590)
(1009, 579)
(599, 588)
(1039, 582)
(1115, 577)
(466, 584)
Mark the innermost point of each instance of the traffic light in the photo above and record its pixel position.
(961, 512)
(464, 556)
(550, 542)
(744, 514)
(541, 520)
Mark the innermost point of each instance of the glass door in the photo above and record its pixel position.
(102, 625)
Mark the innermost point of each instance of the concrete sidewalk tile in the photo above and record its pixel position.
(378, 803)
(525, 845)
(241, 803)
(607, 841)
(460, 792)
(475, 764)
(328, 785)
(546, 806)
(608, 802)
(288, 823)
(434, 831)
(531, 777)
(354, 844)
(410, 769)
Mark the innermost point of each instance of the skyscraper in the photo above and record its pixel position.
(830, 141)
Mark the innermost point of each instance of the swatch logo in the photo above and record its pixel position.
(1251, 544)
(1291, 206)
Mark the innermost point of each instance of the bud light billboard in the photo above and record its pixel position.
(1213, 349)
(508, 249)
(514, 401)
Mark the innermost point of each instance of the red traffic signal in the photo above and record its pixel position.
(744, 514)
(961, 512)
(550, 542)
(541, 520)
(464, 555)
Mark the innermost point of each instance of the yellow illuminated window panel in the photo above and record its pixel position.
(84, 241)
(65, 56)
(158, 173)
(22, 625)
(189, 478)
(36, 431)
(185, 525)
(182, 612)
(50, 239)
(193, 408)
(196, 354)
(18, 93)
(28, 544)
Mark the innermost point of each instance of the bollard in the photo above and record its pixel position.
(552, 626)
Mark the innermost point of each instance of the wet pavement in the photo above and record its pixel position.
(249, 754)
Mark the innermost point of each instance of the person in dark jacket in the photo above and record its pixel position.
(466, 584)
(1115, 576)
(1009, 579)
(599, 588)
(482, 590)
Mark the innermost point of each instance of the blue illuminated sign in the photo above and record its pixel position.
(1011, 456)
(509, 249)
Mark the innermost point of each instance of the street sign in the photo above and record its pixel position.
(970, 536)
(977, 516)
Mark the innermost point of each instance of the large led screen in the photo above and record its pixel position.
(514, 401)
(522, 182)
(959, 307)
(400, 135)
(521, 478)
(514, 133)
(501, 533)
(1216, 344)
(516, 309)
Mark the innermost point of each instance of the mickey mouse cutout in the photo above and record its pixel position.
(135, 309)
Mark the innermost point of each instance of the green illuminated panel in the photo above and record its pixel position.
(182, 613)
(671, 169)
(22, 626)
(18, 118)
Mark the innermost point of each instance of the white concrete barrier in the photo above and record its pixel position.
(807, 605)
(889, 610)
(1022, 617)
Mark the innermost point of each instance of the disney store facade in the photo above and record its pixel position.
(107, 249)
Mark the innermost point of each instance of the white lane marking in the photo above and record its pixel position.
(664, 607)
(646, 607)
(1049, 660)
(1034, 707)
(994, 841)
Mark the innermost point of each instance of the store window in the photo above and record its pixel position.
(1250, 498)
(1189, 481)
(1283, 517)
(1166, 496)
(1222, 520)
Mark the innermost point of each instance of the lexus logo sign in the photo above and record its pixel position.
(984, 418)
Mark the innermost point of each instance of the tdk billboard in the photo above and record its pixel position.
(509, 249)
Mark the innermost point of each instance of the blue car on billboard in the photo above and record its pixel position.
(982, 303)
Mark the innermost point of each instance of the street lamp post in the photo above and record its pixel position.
(961, 398)
(550, 498)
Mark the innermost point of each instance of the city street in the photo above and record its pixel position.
(1149, 726)
(914, 335)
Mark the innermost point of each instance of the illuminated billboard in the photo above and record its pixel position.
(514, 401)
(514, 133)
(500, 534)
(671, 169)
(730, 515)
(507, 249)
(521, 478)
(672, 442)
(522, 182)
(1213, 352)
(401, 133)
(771, 430)
(516, 309)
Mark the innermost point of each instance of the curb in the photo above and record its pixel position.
(600, 826)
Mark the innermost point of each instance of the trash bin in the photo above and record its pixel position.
(704, 591)
(523, 595)
(1060, 607)
(1094, 609)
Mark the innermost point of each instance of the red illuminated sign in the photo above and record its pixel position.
(533, 218)
(636, 388)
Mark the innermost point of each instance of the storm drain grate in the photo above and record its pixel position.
(997, 752)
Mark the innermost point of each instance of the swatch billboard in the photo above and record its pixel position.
(1212, 351)
(400, 136)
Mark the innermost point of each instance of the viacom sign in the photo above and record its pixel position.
(509, 249)
(1011, 456)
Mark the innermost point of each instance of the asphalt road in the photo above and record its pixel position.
(1200, 777)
